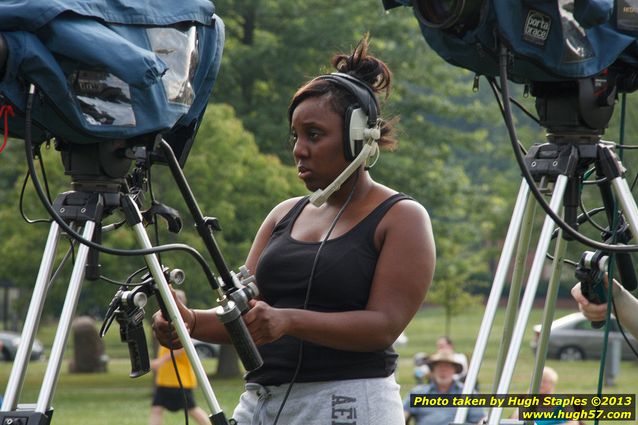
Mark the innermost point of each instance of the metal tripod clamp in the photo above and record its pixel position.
(245, 289)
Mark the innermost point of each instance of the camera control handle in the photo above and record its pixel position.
(590, 271)
(230, 316)
(132, 333)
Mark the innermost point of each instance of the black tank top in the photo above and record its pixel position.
(342, 281)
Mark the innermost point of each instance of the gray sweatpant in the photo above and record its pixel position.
(374, 401)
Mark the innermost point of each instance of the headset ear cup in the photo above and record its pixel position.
(355, 120)
(348, 145)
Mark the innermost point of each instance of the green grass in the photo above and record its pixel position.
(113, 397)
(107, 398)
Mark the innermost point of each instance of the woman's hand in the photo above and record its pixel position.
(265, 323)
(593, 312)
(165, 332)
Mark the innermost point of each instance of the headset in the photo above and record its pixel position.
(361, 130)
(361, 115)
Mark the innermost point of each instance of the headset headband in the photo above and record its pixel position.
(364, 94)
(362, 91)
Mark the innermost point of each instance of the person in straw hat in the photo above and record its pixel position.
(444, 365)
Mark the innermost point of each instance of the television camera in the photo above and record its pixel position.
(575, 57)
(547, 40)
(116, 84)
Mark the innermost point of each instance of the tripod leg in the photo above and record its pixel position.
(528, 298)
(68, 310)
(495, 295)
(31, 323)
(628, 204)
(156, 271)
(514, 296)
(548, 312)
(613, 170)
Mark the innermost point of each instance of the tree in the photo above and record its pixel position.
(452, 157)
(272, 47)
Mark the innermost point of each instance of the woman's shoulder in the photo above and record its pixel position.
(404, 206)
(406, 218)
(282, 209)
(410, 208)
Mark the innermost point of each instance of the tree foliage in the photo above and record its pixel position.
(453, 156)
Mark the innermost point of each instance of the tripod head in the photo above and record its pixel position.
(575, 114)
(576, 111)
(104, 166)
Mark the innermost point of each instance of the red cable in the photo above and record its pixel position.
(6, 110)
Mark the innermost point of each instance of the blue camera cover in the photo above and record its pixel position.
(111, 69)
(550, 40)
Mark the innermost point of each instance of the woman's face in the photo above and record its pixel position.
(317, 132)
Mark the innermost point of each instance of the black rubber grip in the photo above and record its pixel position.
(246, 349)
(594, 292)
(138, 351)
(244, 344)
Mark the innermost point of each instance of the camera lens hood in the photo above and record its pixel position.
(456, 16)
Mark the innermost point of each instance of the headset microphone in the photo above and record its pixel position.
(370, 149)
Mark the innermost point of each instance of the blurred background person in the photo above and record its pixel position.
(168, 395)
(422, 370)
(444, 343)
(444, 366)
(549, 380)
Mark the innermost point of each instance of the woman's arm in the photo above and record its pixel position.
(626, 307)
(203, 324)
(403, 274)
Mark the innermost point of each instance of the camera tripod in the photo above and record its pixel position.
(558, 167)
(96, 197)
